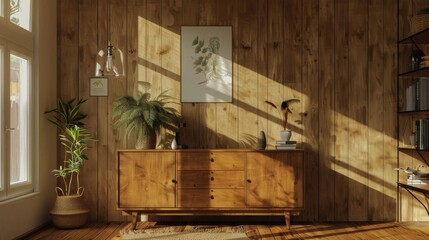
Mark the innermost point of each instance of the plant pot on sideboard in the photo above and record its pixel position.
(69, 212)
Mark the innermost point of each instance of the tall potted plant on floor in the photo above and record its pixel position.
(69, 210)
(144, 116)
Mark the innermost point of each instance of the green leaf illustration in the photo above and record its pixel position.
(195, 42)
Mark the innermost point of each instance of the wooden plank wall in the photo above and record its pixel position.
(337, 56)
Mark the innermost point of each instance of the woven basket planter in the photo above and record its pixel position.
(69, 212)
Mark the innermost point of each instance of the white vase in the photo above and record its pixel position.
(285, 134)
(174, 144)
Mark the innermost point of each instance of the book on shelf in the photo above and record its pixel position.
(418, 177)
(417, 95)
(422, 134)
(285, 142)
(285, 147)
(423, 103)
(417, 181)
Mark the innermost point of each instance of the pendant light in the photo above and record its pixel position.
(111, 63)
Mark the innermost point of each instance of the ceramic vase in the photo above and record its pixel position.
(262, 141)
(174, 144)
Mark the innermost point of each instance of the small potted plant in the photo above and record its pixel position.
(283, 111)
(144, 116)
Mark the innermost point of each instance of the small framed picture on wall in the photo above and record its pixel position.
(98, 87)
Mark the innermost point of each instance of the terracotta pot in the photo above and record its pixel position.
(69, 212)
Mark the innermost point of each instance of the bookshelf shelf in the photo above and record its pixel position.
(421, 72)
(417, 38)
(411, 149)
(421, 113)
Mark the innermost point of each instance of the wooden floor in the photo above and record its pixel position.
(338, 231)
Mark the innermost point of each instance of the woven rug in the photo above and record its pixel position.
(236, 233)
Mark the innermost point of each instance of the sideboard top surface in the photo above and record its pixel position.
(208, 150)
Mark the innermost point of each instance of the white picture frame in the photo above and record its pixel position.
(98, 87)
(206, 64)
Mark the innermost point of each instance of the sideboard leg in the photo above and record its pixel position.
(287, 219)
(134, 223)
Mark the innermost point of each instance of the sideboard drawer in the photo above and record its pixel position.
(208, 160)
(211, 198)
(210, 179)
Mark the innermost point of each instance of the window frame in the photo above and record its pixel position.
(17, 41)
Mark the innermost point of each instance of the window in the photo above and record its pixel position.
(17, 127)
(16, 116)
(20, 13)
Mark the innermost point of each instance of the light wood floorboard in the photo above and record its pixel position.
(331, 231)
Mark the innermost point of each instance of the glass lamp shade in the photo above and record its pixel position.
(111, 63)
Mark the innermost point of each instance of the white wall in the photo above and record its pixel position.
(23, 215)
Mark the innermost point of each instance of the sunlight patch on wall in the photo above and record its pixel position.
(367, 162)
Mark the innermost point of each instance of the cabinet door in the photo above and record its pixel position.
(147, 179)
(275, 179)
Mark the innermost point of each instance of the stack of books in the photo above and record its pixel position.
(418, 179)
(285, 145)
(417, 95)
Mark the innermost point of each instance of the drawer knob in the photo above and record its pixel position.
(174, 181)
(212, 197)
(249, 181)
(212, 178)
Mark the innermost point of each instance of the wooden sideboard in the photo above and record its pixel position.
(211, 182)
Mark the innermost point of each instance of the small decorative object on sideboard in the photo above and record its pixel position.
(262, 141)
(174, 143)
(286, 133)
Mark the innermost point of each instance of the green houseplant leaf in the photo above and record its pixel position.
(75, 141)
(145, 116)
(67, 114)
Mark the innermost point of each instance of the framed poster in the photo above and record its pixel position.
(206, 64)
(98, 87)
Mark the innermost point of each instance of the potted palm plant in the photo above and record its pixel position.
(69, 210)
(144, 116)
